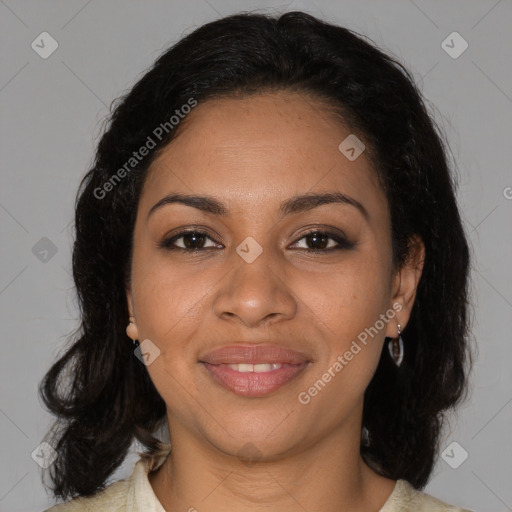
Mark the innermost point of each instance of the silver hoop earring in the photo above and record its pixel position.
(396, 349)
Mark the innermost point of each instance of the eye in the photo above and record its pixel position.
(324, 241)
(195, 240)
(190, 240)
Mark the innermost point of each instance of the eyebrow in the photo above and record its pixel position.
(297, 204)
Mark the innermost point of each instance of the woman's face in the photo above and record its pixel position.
(255, 279)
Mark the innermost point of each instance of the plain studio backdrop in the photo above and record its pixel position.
(54, 97)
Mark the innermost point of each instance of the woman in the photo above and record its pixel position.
(272, 222)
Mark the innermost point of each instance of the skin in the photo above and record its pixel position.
(252, 154)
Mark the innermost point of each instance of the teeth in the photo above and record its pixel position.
(256, 368)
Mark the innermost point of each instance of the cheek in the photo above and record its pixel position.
(345, 307)
(348, 298)
(169, 304)
(167, 295)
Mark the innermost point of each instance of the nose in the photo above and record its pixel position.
(255, 293)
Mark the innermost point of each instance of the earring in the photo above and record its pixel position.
(131, 331)
(365, 436)
(396, 348)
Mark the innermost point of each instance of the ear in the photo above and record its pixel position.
(405, 284)
(129, 300)
(131, 329)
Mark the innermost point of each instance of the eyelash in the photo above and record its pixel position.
(343, 243)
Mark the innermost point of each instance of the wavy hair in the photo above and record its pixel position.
(103, 397)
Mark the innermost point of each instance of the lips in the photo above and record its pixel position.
(254, 370)
(254, 354)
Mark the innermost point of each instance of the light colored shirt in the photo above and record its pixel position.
(136, 495)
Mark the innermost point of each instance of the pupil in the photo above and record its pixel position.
(195, 236)
(317, 236)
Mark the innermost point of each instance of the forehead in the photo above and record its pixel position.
(260, 150)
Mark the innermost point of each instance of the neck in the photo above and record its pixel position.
(329, 475)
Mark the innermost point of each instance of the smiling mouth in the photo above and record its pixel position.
(254, 380)
(254, 370)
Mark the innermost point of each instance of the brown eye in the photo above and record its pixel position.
(322, 241)
(193, 240)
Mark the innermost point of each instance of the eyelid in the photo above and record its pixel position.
(195, 228)
(322, 228)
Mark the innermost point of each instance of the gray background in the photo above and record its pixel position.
(51, 116)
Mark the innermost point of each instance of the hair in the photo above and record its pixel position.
(109, 399)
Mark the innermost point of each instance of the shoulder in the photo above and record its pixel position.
(405, 498)
(135, 493)
(110, 499)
